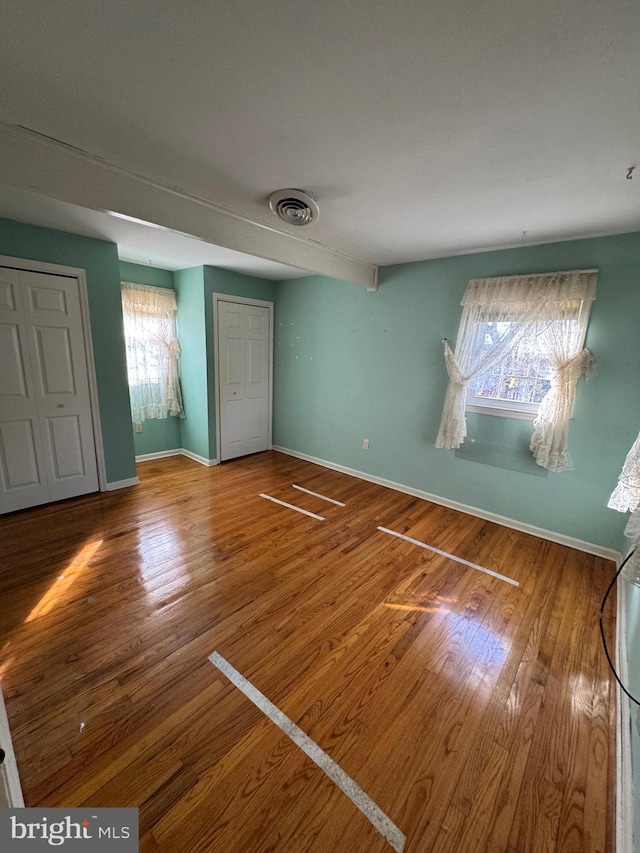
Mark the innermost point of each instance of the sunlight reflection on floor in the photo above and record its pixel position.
(60, 587)
(55, 594)
(160, 564)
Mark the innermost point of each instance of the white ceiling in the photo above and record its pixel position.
(422, 129)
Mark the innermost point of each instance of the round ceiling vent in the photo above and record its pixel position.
(294, 207)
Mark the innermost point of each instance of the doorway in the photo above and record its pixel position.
(243, 331)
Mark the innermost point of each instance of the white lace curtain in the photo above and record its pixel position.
(626, 495)
(555, 309)
(626, 498)
(152, 352)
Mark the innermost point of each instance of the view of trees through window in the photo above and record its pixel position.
(520, 378)
(146, 356)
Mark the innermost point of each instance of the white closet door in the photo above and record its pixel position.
(243, 370)
(47, 449)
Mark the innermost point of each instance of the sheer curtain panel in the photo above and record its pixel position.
(554, 309)
(152, 352)
(626, 495)
(626, 498)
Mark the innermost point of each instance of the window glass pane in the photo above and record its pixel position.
(145, 351)
(523, 377)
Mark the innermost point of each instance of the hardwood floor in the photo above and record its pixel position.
(478, 715)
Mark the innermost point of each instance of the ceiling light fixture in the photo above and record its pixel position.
(295, 207)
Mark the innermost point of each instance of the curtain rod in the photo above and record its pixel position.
(538, 274)
(150, 287)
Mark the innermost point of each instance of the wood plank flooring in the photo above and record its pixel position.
(479, 716)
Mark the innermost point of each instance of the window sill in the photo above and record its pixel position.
(502, 412)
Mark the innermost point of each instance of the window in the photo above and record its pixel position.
(152, 351)
(517, 384)
(520, 352)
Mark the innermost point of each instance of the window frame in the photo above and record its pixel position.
(504, 409)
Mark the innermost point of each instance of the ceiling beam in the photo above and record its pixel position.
(34, 162)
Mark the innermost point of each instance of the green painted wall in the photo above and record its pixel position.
(158, 436)
(233, 284)
(236, 284)
(144, 274)
(194, 427)
(164, 434)
(100, 261)
(351, 365)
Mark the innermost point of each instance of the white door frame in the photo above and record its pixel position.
(81, 278)
(242, 300)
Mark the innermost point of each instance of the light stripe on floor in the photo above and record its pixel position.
(374, 814)
(450, 556)
(291, 506)
(316, 495)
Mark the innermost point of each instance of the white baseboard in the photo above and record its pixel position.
(10, 788)
(550, 535)
(122, 484)
(201, 459)
(162, 454)
(624, 777)
(178, 451)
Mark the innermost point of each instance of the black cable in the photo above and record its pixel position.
(604, 641)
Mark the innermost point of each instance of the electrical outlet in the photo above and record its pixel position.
(138, 427)
(365, 443)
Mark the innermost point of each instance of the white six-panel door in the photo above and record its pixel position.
(243, 377)
(47, 448)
